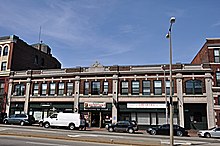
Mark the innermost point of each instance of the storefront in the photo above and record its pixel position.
(97, 114)
(146, 114)
(43, 110)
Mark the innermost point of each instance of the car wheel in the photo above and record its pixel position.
(153, 132)
(110, 129)
(46, 125)
(179, 133)
(5, 122)
(130, 130)
(41, 124)
(22, 123)
(207, 135)
(71, 126)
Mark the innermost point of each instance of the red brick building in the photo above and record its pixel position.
(209, 54)
(15, 54)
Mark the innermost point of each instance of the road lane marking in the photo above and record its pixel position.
(93, 135)
(39, 143)
(3, 129)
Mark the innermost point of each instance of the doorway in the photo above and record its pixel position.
(95, 119)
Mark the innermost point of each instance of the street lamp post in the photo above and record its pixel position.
(172, 20)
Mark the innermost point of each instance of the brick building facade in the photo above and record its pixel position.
(15, 54)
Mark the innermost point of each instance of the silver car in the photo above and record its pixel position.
(213, 132)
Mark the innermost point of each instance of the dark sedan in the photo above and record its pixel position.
(165, 130)
(21, 119)
(123, 126)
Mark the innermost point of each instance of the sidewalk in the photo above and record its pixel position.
(191, 133)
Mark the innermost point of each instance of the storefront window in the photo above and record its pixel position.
(95, 88)
(124, 88)
(157, 88)
(61, 89)
(146, 88)
(135, 88)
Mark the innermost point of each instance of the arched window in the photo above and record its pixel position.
(194, 87)
(5, 51)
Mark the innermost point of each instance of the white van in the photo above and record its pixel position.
(70, 120)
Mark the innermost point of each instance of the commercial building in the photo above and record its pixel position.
(106, 94)
(15, 54)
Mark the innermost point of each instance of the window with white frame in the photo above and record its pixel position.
(2, 88)
(218, 79)
(69, 89)
(168, 88)
(86, 88)
(124, 88)
(193, 87)
(105, 88)
(146, 87)
(135, 87)
(44, 89)
(157, 87)
(5, 51)
(216, 56)
(19, 90)
(52, 88)
(36, 89)
(3, 66)
(60, 88)
(95, 88)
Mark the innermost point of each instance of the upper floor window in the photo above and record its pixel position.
(135, 88)
(0, 50)
(19, 90)
(5, 51)
(2, 88)
(194, 87)
(60, 88)
(168, 88)
(86, 88)
(124, 88)
(218, 100)
(52, 88)
(146, 88)
(36, 60)
(95, 88)
(216, 56)
(3, 66)
(105, 90)
(158, 87)
(44, 89)
(69, 89)
(42, 61)
(218, 79)
(36, 89)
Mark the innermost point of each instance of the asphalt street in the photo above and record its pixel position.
(101, 136)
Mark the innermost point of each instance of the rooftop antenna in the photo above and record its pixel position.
(40, 42)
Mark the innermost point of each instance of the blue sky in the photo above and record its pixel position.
(113, 32)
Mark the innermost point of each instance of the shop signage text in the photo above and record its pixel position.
(146, 105)
(94, 105)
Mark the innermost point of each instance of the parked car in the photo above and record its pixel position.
(165, 130)
(213, 132)
(21, 119)
(123, 126)
(70, 120)
(2, 116)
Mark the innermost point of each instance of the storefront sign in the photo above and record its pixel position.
(94, 105)
(146, 105)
